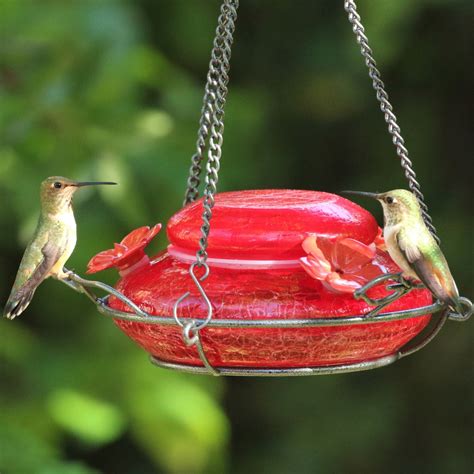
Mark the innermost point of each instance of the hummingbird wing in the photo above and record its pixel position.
(429, 264)
(28, 279)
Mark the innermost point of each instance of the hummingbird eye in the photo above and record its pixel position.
(389, 200)
(58, 185)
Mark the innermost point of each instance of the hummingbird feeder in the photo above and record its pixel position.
(284, 282)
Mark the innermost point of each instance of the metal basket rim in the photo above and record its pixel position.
(187, 325)
(279, 372)
(106, 310)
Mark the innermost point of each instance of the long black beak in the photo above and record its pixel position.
(91, 183)
(362, 193)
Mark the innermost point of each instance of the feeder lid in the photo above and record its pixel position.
(269, 224)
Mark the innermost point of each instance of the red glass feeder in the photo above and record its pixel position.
(284, 283)
(264, 300)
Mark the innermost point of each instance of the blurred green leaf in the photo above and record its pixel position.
(185, 431)
(22, 453)
(65, 468)
(93, 421)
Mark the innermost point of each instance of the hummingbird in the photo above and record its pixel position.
(412, 246)
(52, 244)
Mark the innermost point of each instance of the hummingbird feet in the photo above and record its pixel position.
(65, 274)
(404, 283)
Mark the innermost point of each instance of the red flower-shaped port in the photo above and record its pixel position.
(343, 265)
(126, 255)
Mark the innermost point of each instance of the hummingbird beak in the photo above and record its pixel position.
(362, 193)
(91, 183)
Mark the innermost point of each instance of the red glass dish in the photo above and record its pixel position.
(254, 246)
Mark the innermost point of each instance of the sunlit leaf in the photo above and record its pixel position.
(93, 421)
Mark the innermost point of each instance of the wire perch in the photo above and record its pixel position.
(400, 286)
(82, 285)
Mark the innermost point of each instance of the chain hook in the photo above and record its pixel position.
(197, 282)
(190, 333)
(191, 329)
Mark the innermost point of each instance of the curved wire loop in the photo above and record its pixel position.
(195, 326)
(418, 343)
(466, 314)
(202, 354)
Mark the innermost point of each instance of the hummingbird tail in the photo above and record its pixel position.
(16, 306)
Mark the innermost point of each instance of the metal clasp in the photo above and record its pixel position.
(191, 328)
(197, 281)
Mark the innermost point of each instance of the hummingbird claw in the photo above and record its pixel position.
(65, 274)
(402, 283)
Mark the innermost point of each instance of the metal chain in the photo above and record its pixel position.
(219, 69)
(192, 190)
(211, 127)
(387, 109)
(217, 79)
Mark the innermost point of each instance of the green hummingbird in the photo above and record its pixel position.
(52, 244)
(412, 246)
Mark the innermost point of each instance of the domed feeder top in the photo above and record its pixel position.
(268, 224)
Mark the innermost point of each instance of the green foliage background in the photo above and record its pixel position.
(99, 89)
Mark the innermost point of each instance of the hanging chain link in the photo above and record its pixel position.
(211, 129)
(216, 91)
(192, 190)
(214, 94)
(387, 109)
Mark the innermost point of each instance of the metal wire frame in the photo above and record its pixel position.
(395, 282)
